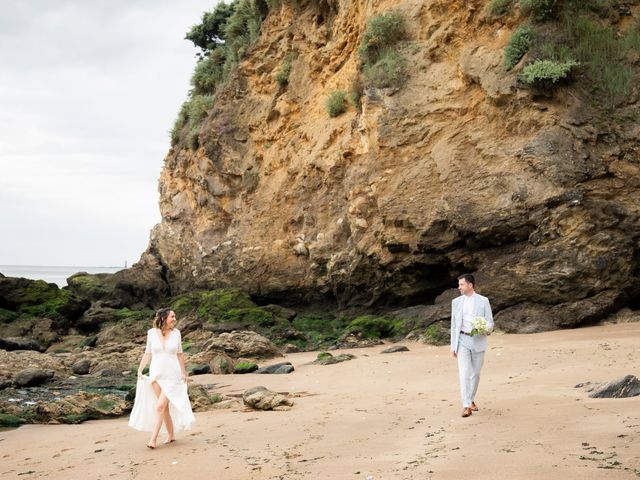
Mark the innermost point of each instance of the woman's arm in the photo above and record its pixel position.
(143, 363)
(183, 371)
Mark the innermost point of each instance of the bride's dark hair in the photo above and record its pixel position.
(161, 318)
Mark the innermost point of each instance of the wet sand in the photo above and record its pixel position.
(391, 416)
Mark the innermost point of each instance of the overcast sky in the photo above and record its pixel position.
(89, 90)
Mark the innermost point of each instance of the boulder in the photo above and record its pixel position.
(221, 364)
(200, 399)
(12, 363)
(325, 358)
(529, 317)
(243, 344)
(19, 343)
(628, 386)
(277, 368)
(260, 398)
(199, 369)
(395, 348)
(31, 377)
(95, 316)
(245, 367)
(81, 367)
(39, 299)
(42, 330)
(142, 285)
(79, 407)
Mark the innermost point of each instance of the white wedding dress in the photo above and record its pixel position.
(165, 370)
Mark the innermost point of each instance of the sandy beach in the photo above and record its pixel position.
(383, 416)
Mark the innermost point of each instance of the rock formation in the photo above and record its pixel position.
(459, 170)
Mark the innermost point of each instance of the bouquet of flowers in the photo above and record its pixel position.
(480, 326)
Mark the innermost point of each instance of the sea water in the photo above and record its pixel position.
(51, 274)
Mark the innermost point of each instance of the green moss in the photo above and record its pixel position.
(221, 305)
(255, 316)
(435, 334)
(320, 330)
(91, 285)
(245, 367)
(127, 314)
(7, 420)
(370, 326)
(215, 398)
(7, 316)
(105, 405)
(76, 418)
(324, 355)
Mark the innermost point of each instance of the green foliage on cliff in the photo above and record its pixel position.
(540, 10)
(382, 64)
(544, 73)
(336, 103)
(575, 33)
(607, 54)
(282, 77)
(389, 71)
(383, 31)
(209, 72)
(210, 33)
(518, 46)
(499, 7)
(223, 36)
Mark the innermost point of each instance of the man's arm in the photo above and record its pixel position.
(488, 315)
(453, 333)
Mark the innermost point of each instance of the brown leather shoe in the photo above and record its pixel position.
(474, 407)
(466, 412)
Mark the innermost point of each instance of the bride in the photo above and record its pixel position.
(161, 398)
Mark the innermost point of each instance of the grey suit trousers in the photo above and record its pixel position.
(469, 366)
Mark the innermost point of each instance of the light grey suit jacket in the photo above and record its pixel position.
(481, 308)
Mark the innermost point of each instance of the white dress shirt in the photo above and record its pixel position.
(467, 312)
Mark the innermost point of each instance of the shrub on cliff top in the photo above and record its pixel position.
(519, 44)
(210, 34)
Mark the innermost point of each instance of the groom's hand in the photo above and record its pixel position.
(454, 354)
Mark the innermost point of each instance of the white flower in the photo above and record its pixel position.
(479, 326)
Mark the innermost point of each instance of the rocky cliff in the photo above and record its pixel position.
(461, 169)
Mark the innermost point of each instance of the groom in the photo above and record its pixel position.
(469, 350)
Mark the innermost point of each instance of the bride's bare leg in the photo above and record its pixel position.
(161, 405)
(168, 422)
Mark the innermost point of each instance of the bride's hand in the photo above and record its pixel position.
(184, 377)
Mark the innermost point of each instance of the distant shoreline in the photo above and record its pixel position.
(57, 274)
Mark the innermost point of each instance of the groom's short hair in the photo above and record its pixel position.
(467, 277)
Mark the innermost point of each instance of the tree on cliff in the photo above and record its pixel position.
(211, 32)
